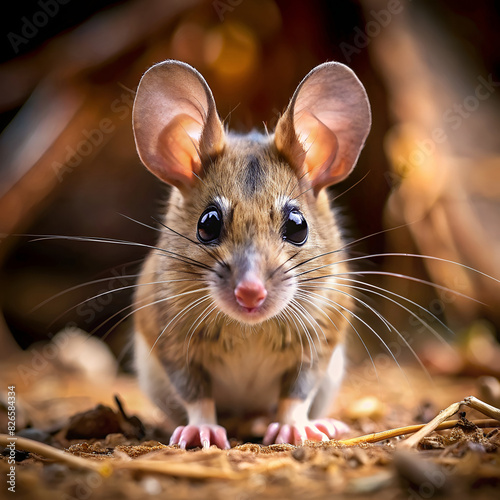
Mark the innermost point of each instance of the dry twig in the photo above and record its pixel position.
(470, 401)
(46, 451)
(376, 437)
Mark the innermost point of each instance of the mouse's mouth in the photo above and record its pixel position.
(250, 315)
(250, 310)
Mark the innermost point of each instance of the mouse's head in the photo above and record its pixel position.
(253, 206)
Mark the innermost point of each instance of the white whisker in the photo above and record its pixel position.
(392, 254)
(291, 323)
(325, 300)
(296, 314)
(180, 314)
(383, 293)
(201, 317)
(304, 298)
(392, 328)
(358, 318)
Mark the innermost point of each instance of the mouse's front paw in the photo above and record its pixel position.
(193, 436)
(315, 430)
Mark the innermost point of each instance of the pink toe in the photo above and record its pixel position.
(285, 435)
(332, 428)
(271, 433)
(205, 436)
(298, 434)
(190, 437)
(174, 439)
(315, 434)
(327, 428)
(220, 437)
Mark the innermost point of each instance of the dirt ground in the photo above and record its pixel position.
(434, 164)
(125, 455)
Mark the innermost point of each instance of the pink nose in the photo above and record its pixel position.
(250, 292)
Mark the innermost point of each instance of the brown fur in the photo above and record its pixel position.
(208, 343)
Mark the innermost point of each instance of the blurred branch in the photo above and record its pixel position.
(34, 147)
(95, 43)
(444, 140)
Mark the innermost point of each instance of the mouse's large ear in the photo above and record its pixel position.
(175, 121)
(325, 125)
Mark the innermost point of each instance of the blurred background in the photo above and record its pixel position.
(427, 182)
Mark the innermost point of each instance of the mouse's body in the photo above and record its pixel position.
(244, 306)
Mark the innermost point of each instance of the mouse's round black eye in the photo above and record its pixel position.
(295, 228)
(209, 225)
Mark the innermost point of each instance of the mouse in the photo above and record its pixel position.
(241, 308)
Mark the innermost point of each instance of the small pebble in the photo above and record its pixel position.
(368, 407)
(35, 435)
(489, 390)
(151, 486)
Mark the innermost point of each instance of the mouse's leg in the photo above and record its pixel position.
(202, 429)
(303, 400)
(180, 392)
(193, 387)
